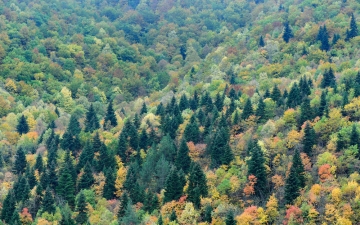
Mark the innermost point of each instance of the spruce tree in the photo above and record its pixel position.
(340, 142)
(306, 112)
(30, 176)
(130, 216)
(184, 103)
(173, 188)
(134, 137)
(294, 97)
(66, 216)
(69, 139)
(160, 220)
(300, 171)
(136, 121)
(256, 167)
(143, 142)
(353, 31)
(287, 34)
(219, 101)
(309, 139)
(122, 147)
(91, 120)
(197, 184)
(52, 177)
(81, 208)
(8, 207)
(20, 161)
(22, 127)
(15, 218)
(66, 186)
(183, 160)
(48, 203)
(261, 41)
(248, 110)
(87, 178)
(220, 150)
(143, 109)
(86, 155)
(109, 187)
(328, 79)
(192, 132)
(173, 216)
(323, 37)
(323, 104)
(275, 94)
(39, 164)
(110, 115)
(230, 219)
(260, 111)
(291, 186)
(354, 136)
(207, 214)
(266, 94)
(124, 200)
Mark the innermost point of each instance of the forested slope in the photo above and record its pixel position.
(179, 112)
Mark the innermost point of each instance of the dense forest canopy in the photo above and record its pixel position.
(179, 112)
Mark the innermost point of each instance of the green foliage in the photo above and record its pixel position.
(197, 184)
(82, 210)
(22, 127)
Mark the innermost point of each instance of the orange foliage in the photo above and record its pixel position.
(306, 161)
(293, 214)
(32, 135)
(324, 172)
(278, 181)
(25, 217)
(249, 188)
(195, 151)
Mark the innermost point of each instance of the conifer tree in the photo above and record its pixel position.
(134, 137)
(160, 110)
(66, 186)
(143, 142)
(230, 219)
(207, 214)
(323, 104)
(105, 159)
(260, 111)
(81, 208)
(300, 171)
(20, 161)
(124, 200)
(261, 41)
(52, 177)
(183, 160)
(354, 136)
(256, 167)
(323, 37)
(48, 203)
(66, 216)
(353, 31)
(197, 184)
(173, 187)
(160, 220)
(15, 219)
(52, 153)
(287, 34)
(22, 126)
(68, 162)
(70, 137)
(291, 186)
(130, 216)
(219, 102)
(294, 97)
(306, 112)
(184, 103)
(151, 202)
(109, 187)
(136, 121)
(110, 115)
(8, 207)
(192, 132)
(309, 139)
(173, 216)
(122, 147)
(266, 94)
(39, 164)
(86, 155)
(328, 79)
(248, 110)
(340, 142)
(30, 176)
(87, 178)
(236, 117)
(91, 122)
(143, 109)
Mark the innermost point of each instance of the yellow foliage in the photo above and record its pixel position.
(347, 211)
(293, 138)
(353, 108)
(120, 179)
(12, 137)
(272, 208)
(31, 122)
(10, 85)
(31, 159)
(316, 189)
(330, 212)
(42, 221)
(32, 135)
(336, 195)
(290, 116)
(235, 183)
(343, 221)
(350, 188)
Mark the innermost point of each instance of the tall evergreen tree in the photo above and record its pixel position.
(306, 111)
(86, 155)
(173, 187)
(70, 138)
(124, 200)
(184, 103)
(328, 79)
(66, 216)
(248, 110)
(275, 94)
(143, 109)
(91, 122)
(48, 203)
(20, 161)
(192, 132)
(110, 115)
(256, 167)
(287, 34)
(220, 150)
(323, 37)
(340, 142)
(39, 164)
(87, 178)
(66, 186)
(109, 187)
(323, 104)
(81, 208)
(261, 41)
(354, 136)
(353, 31)
(130, 216)
(22, 126)
(309, 139)
(207, 214)
(260, 111)
(143, 142)
(122, 147)
(197, 184)
(292, 186)
(173, 216)
(219, 101)
(8, 207)
(294, 97)
(230, 219)
(183, 160)
(30, 176)
(300, 171)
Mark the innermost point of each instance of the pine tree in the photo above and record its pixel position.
(197, 184)
(275, 94)
(143, 109)
(91, 122)
(39, 164)
(309, 139)
(110, 115)
(207, 214)
(266, 94)
(20, 161)
(261, 42)
(323, 37)
(184, 103)
(69, 139)
(294, 97)
(15, 218)
(287, 34)
(183, 160)
(87, 178)
(260, 111)
(48, 202)
(130, 216)
(256, 167)
(219, 101)
(173, 188)
(22, 127)
(230, 219)
(173, 216)
(109, 187)
(192, 132)
(143, 143)
(81, 208)
(66, 216)
(30, 176)
(248, 110)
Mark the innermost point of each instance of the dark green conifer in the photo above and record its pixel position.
(294, 97)
(86, 155)
(309, 139)
(48, 203)
(22, 126)
(20, 161)
(160, 110)
(109, 187)
(81, 208)
(236, 118)
(8, 207)
(261, 41)
(207, 214)
(287, 34)
(69, 138)
(219, 101)
(136, 121)
(248, 110)
(173, 187)
(110, 115)
(197, 184)
(192, 132)
(300, 171)
(230, 219)
(353, 32)
(194, 101)
(91, 120)
(160, 220)
(306, 112)
(143, 109)
(15, 218)
(260, 111)
(124, 200)
(328, 79)
(292, 186)
(183, 160)
(66, 186)
(323, 104)
(66, 216)
(39, 164)
(143, 143)
(30, 176)
(87, 178)
(354, 136)
(340, 142)
(256, 167)
(134, 137)
(184, 103)
(122, 147)
(173, 216)
(266, 94)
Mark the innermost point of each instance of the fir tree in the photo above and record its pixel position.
(207, 214)
(323, 37)
(160, 220)
(87, 178)
(130, 216)
(160, 110)
(328, 79)
(292, 186)
(275, 94)
(143, 109)
(48, 203)
(197, 184)
(261, 42)
(230, 219)
(136, 121)
(52, 177)
(122, 147)
(260, 111)
(66, 216)
(294, 97)
(39, 164)
(8, 207)
(353, 32)
(192, 132)
(219, 101)
(124, 200)
(173, 187)
(173, 216)
(306, 112)
(70, 137)
(256, 167)
(194, 102)
(15, 218)
(354, 136)
(81, 208)
(287, 34)
(105, 159)
(151, 202)
(86, 155)
(30, 175)
(66, 186)
(109, 187)
(184, 103)
(22, 127)
(183, 160)
(143, 143)
(20, 161)
(236, 117)
(323, 104)
(340, 142)
(300, 171)
(309, 139)
(220, 149)
(134, 137)
(248, 110)
(266, 94)
(110, 115)
(91, 122)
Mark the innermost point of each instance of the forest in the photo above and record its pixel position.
(178, 112)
